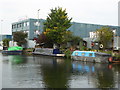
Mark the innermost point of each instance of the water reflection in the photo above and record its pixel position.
(105, 78)
(17, 59)
(50, 72)
(55, 71)
(82, 67)
(99, 75)
(21, 72)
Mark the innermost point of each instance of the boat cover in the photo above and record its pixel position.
(15, 48)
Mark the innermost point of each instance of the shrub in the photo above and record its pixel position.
(68, 53)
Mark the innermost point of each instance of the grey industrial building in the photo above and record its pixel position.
(35, 26)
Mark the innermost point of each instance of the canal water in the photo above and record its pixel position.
(50, 72)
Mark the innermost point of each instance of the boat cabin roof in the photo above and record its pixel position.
(101, 53)
(88, 53)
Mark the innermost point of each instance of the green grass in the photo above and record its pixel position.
(28, 51)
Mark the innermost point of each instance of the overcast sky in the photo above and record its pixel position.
(104, 12)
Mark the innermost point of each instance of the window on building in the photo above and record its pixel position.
(37, 23)
(24, 24)
(93, 34)
(20, 25)
(36, 32)
(89, 26)
(27, 23)
(17, 25)
(26, 31)
(12, 26)
(81, 25)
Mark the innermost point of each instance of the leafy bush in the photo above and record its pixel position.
(68, 53)
(6, 42)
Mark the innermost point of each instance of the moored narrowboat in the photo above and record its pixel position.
(91, 56)
(48, 52)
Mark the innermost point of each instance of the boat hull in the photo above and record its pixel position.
(44, 54)
(91, 59)
(14, 52)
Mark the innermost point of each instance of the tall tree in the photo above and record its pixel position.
(20, 38)
(56, 25)
(104, 36)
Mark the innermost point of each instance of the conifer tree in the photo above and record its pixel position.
(56, 25)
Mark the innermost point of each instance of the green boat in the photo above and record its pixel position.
(16, 50)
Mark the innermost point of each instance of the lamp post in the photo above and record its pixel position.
(1, 29)
(1, 43)
(38, 20)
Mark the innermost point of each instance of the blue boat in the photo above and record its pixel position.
(91, 56)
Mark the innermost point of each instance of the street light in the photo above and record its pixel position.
(1, 43)
(38, 20)
(1, 29)
(38, 13)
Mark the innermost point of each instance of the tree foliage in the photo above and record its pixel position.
(104, 36)
(56, 25)
(43, 39)
(20, 38)
(75, 40)
(6, 42)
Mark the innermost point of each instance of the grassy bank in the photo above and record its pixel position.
(28, 51)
